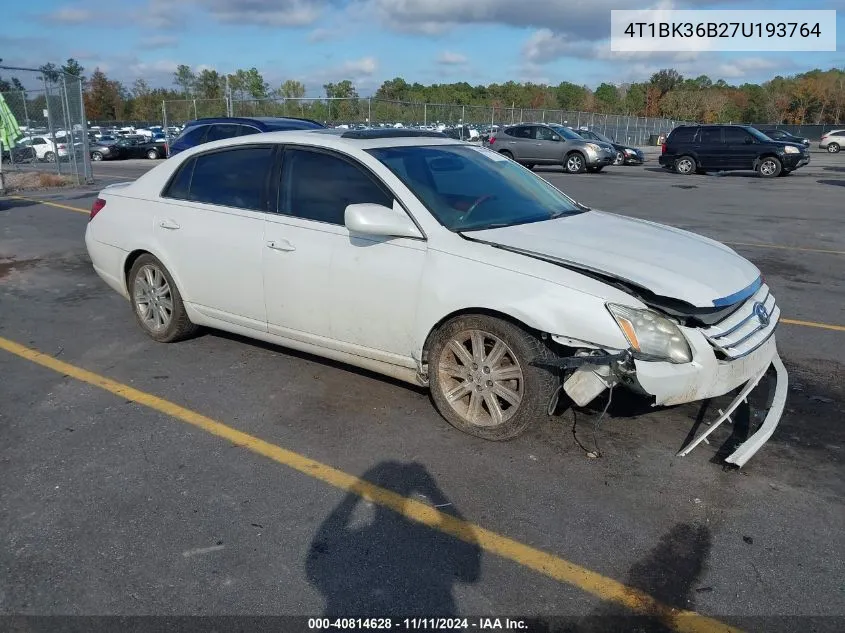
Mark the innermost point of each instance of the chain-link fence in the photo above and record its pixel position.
(631, 130)
(50, 111)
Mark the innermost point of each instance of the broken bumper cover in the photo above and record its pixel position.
(707, 377)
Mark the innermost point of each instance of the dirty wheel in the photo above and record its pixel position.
(482, 380)
(769, 167)
(156, 301)
(685, 165)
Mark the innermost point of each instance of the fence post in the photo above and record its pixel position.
(50, 128)
(86, 148)
(425, 114)
(196, 116)
(166, 133)
(369, 111)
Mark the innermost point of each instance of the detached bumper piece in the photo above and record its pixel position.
(753, 444)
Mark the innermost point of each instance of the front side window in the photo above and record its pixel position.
(230, 178)
(470, 188)
(735, 136)
(566, 132)
(319, 186)
(544, 134)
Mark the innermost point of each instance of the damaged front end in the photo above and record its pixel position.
(728, 347)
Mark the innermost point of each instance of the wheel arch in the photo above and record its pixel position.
(764, 155)
(133, 256)
(522, 323)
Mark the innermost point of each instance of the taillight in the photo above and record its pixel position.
(62, 146)
(98, 206)
(492, 140)
(663, 148)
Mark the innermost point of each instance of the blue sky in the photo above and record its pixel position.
(368, 41)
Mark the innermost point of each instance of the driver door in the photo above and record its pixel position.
(548, 143)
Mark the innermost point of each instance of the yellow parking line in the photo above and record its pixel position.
(824, 326)
(805, 249)
(54, 204)
(525, 555)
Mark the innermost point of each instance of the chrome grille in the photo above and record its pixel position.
(747, 328)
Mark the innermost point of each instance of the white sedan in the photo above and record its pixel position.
(439, 263)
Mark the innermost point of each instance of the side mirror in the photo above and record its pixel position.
(376, 219)
(555, 138)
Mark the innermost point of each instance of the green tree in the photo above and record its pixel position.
(50, 72)
(185, 78)
(254, 84)
(666, 80)
(73, 67)
(570, 96)
(210, 84)
(104, 99)
(341, 90)
(292, 89)
(608, 97)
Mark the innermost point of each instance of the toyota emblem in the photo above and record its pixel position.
(762, 313)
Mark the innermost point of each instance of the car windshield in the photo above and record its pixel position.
(601, 136)
(566, 133)
(471, 188)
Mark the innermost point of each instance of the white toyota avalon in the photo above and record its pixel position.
(442, 264)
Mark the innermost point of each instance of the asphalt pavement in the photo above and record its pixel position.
(115, 504)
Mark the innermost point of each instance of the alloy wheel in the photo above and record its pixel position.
(481, 378)
(153, 299)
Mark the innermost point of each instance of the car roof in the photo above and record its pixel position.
(336, 139)
(266, 120)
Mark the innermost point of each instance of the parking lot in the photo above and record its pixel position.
(226, 476)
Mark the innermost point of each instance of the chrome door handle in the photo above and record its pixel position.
(281, 245)
(169, 224)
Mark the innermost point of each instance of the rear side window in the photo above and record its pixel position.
(180, 187)
(193, 135)
(710, 135)
(319, 186)
(220, 131)
(229, 178)
(682, 135)
(522, 131)
(248, 129)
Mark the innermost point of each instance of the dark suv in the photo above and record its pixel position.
(214, 129)
(702, 148)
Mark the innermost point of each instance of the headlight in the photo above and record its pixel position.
(651, 334)
(630, 152)
(593, 147)
(790, 149)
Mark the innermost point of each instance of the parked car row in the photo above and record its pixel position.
(128, 147)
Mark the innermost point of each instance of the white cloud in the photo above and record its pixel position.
(70, 15)
(363, 67)
(448, 58)
(152, 42)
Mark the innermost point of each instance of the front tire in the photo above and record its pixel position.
(769, 167)
(482, 380)
(506, 154)
(833, 148)
(152, 155)
(156, 301)
(96, 156)
(574, 163)
(50, 157)
(620, 159)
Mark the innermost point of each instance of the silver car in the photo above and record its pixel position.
(549, 144)
(833, 141)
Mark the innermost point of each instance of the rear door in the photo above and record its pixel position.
(210, 231)
(519, 141)
(710, 148)
(740, 148)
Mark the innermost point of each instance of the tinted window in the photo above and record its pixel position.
(248, 129)
(319, 186)
(220, 131)
(193, 135)
(232, 178)
(566, 132)
(520, 132)
(736, 135)
(180, 186)
(471, 188)
(710, 135)
(683, 134)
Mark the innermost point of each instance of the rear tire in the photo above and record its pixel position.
(574, 163)
(50, 157)
(97, 156)
(506, 154)
(685, 165)
(156, 301)
(466, 356)
(833, 148)
(769, 167)
(152, 155)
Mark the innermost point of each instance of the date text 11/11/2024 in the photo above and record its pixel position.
(419, 624)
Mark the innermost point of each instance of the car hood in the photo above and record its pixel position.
(666, 261)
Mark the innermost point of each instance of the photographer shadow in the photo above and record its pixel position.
(368, 560)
